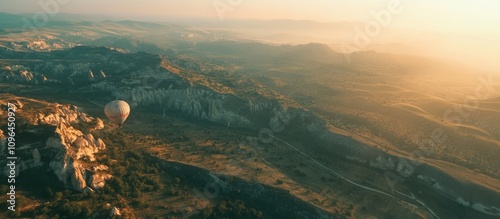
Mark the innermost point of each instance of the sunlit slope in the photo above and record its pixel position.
(400, 100)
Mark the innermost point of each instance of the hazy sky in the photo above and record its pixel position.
(463, 30)
(445, 15)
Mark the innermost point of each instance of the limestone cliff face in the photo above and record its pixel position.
(162, 90)
(76, 150)
(196, 102)
(64, 149)
(21, 74)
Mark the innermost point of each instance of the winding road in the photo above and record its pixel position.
(359, 185)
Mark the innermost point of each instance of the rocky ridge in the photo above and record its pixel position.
(67, 151)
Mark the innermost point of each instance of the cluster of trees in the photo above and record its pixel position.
(231, 209)
(65, 209)
(134, 177)
(134, 174)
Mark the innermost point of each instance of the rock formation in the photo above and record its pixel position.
(76, 149)
(68, 151)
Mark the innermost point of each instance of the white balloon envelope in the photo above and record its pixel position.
(117, 111)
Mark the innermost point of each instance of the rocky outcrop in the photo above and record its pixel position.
(57, 145)
(198, 103)
(103, 75)
(72, 165)
(114, 212)
(21, 74)
(91, 75)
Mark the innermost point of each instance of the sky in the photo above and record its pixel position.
(463, 30)
(444, 15)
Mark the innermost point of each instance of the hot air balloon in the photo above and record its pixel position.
(117, 111)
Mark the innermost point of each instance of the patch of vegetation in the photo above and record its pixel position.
(134, 176)
(231, 209)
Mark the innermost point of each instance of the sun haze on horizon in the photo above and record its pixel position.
(461, 30)
(444, 15)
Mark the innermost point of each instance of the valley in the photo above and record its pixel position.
(237, 128)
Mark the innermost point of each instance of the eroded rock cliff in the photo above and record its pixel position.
(56, 144)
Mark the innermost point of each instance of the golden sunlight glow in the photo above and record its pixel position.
(459, 30)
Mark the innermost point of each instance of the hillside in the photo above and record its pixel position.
(229, 128)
